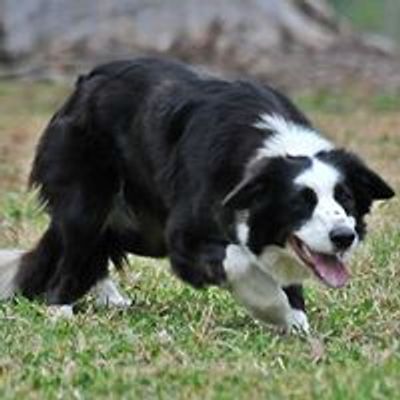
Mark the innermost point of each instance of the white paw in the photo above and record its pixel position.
(297, 322)
(113, 301)
(60, 312)
(108, 294)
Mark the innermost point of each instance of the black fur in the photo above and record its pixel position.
(296, 297)
(275, 217)
(142, 158)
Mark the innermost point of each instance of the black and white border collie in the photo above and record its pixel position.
(227, 179)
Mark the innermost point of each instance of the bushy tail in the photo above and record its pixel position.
(10, 261)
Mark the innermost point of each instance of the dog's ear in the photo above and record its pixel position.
(376, 186)
(365, 179)
(366, 184)
(254, 182)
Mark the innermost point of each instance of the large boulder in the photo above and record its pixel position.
(161, 25)
(290, 41)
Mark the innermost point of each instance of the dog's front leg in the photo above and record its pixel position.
(259, 292)
(299, 318)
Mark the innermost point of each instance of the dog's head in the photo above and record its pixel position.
(313, 207)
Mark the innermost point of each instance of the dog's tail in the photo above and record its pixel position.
(10, 260)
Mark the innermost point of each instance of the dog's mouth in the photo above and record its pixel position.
(329, 268)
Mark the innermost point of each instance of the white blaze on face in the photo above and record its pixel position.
(328, 213)
(289, 138)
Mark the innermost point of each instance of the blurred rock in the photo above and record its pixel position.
(284, 40)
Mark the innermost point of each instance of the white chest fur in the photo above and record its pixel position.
(283, 265)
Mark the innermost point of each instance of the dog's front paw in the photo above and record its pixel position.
(109, 295)
(113, 301)
(60, 312)
(297, 322)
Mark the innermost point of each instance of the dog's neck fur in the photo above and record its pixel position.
(289, 139)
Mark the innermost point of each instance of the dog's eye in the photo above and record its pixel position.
(342, 194)
(308, 195)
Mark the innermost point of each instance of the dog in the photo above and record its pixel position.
(228, 179)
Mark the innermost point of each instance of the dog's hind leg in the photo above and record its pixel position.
(122, 241)
(84, 262)
(86, 245)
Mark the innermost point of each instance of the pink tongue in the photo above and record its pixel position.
(331, 270)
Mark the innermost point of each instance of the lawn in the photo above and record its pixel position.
(178, 343)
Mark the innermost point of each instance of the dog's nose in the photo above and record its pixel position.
(342, 237)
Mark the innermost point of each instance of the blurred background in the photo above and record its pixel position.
(338, 60)
(379, 16)
(296, 44)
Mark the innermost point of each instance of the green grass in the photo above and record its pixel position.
(345, 101)
(364, 14)
(377, 16)
(178, 343)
